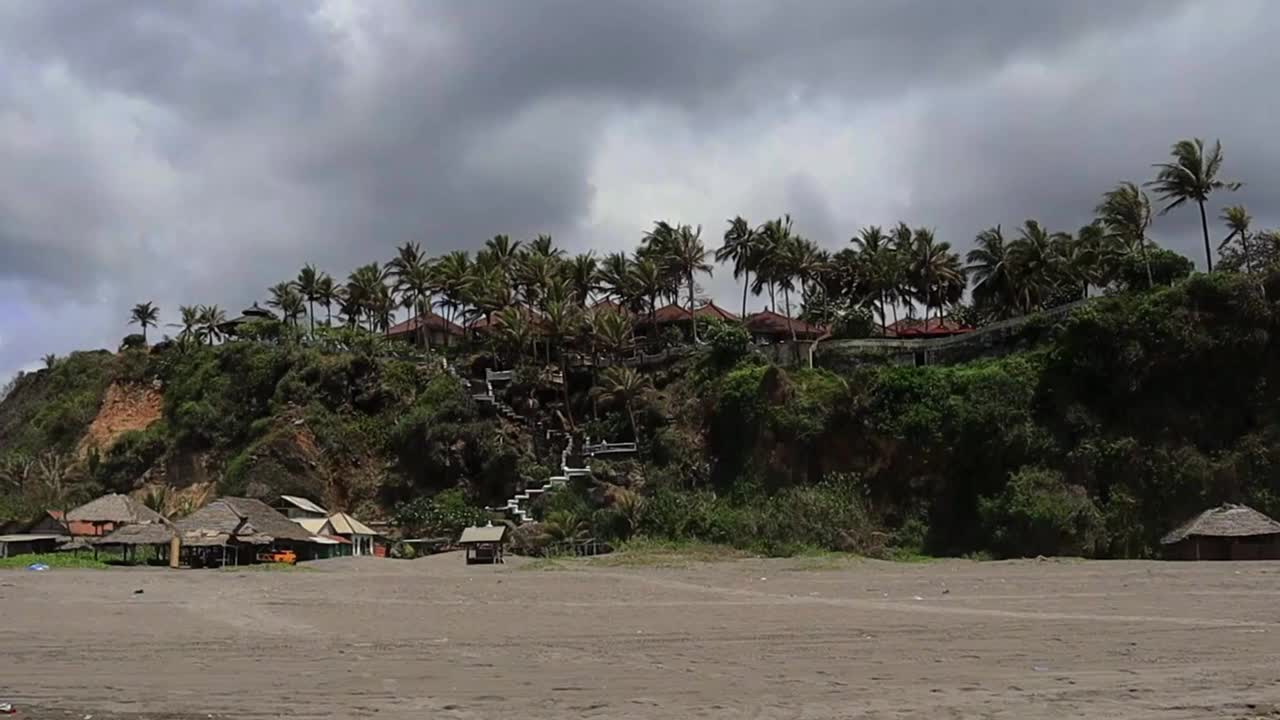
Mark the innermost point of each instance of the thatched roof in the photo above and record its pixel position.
(114, 508)
(1228, 520)
(138, 534)
(242, 519)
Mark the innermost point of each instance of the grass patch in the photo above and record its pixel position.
(907, 555)
(644, 552)
(53, 560)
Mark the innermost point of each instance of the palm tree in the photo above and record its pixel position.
(1192, 175)
(562, 318)
(1077, 260)
(327, 294)
(564, 526)
(740, 246)
(190, 320)
(1238, 221)
(684, 255)
(365, 287)
(286, 298)
(543, 245)
(502, 249)
(647, 283)
(613, 331)
(615, 276)
(453, 278)
(49, 361)
(623, 386)
(875, 261)
(991, 267)
(308, 283)
(535, 273)
(583, 274)
(145, 314)
(1125, 213)
(514, 330)
(210, 322)
(1038, 265)
(937, 271)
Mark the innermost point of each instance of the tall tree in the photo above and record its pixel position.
(453, 279)
(189, 332)
(685, 256)
(146, 315)
(1125, 213)
(212, 318)
(515, 332)
(562, 318)
(624, 387)
(875, 269)
(1193, 175)
(326, 295)
(308, 283)
(740, 246)
(546, 247)
(1038, 264)
(1238, 221)
(991, 268)
(583, 274)
(937, 270)
(648, 283)
(615, 276)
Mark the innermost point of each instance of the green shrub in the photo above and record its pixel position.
(1039, 514)
(444, 515)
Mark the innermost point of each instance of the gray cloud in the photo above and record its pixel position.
(199, 151)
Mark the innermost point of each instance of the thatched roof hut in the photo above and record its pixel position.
(1227, 532)
(110, 512)
(135, 535)
(239, 520)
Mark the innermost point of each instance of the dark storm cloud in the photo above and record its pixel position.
(199, 151)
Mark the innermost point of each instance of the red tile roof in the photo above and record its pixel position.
(431, 321)
(487, 325)
(611, 305)
(771, 323)
(915, 327)
(674, 313)
(75, 527)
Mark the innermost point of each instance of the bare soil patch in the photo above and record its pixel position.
(745, 638)
(125, 407)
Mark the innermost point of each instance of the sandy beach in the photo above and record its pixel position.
(797, 638)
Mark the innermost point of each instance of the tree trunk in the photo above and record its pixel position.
(1204, 225)
(564, 385)
(693, 319)
(1142, 245)
(884, 316)
(311, 315)
(786, 297)
(746, 282)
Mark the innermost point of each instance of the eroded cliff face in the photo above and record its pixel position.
(125, 407)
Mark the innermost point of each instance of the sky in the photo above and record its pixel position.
(198, 152)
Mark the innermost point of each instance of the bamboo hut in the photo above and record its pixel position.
(128, 538)
(233, 529)
(1228, 532)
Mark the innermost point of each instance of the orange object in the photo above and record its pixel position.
(287, 557)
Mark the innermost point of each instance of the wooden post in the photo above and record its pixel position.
(175, 549)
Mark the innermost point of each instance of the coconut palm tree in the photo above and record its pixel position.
(1038, 265)
(873, 267)
(991, 267)
(144, 314)
(624, 387)
(1125, 214)
(535, 272)
(1192, 175)
(583, 274)
(740, 247)
(515, 332)
(562, 318)
(1077, 262)
(935, 270)
(366, 286)
(615, 276)
(686, 257)
(308, 284)
(416, 283)
(1238, 221)
(613, 331)
(543, 245)
(648, 283)
(210, 323)
(190, 320)
(327, 296)
(504, 251)
(453, 278)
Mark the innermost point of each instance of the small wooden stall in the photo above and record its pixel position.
(129, 538)
(483, 545)
(28, 544)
